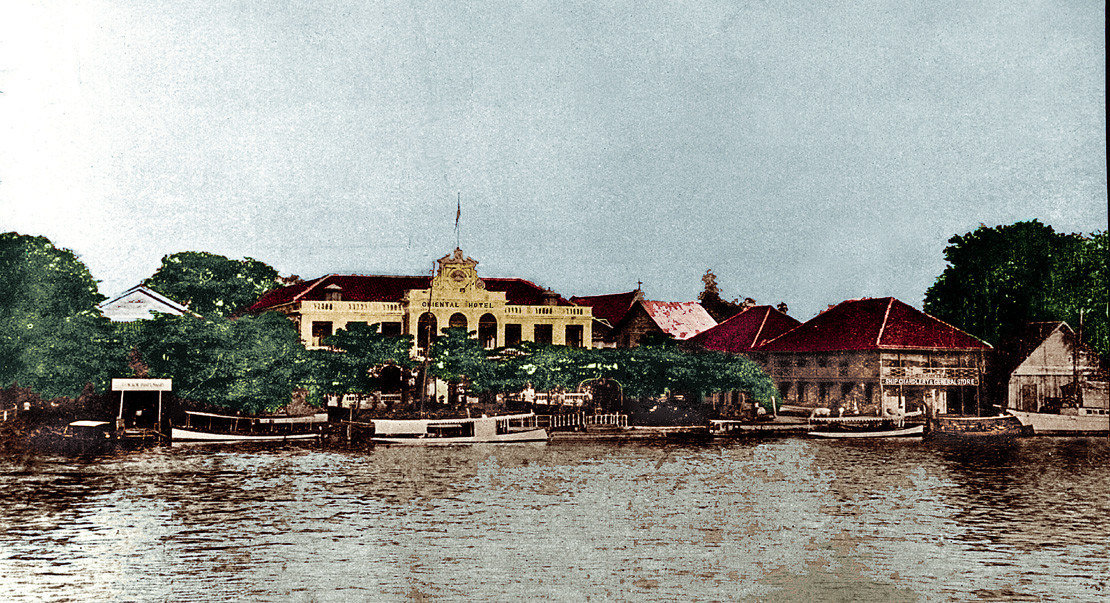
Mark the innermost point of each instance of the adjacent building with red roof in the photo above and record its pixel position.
(503, 311)
(680, 320)
(609, 311)
(745, 331)
(877, 357)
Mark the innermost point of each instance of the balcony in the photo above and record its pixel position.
(351, 307)
(546, 311)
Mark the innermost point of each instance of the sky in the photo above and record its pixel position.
(805, 152)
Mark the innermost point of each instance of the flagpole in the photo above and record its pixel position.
(458, 214)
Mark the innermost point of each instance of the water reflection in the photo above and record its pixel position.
(788, 519)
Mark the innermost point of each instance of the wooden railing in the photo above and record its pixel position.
(580, 419)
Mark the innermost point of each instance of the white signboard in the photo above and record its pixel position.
(928, 381)
(142, 385)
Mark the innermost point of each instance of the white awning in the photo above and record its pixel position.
(400, 427)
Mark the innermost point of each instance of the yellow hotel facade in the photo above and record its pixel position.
(502, 312)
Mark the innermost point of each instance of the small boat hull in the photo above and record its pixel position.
(1042, 423)
(974, 428)
(179, 435)
(906, 432)
(534, 435)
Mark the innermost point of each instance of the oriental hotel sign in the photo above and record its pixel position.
(459, 304)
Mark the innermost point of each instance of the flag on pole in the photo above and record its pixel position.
(458, 212)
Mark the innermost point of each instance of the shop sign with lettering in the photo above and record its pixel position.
(142, 385)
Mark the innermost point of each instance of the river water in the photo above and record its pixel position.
(776, 520)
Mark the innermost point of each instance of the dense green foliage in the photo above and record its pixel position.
(52, 336)
(456, 357)
(250, 364)
(655, 369)
(360, 348)
(212, 285)
(998, 279)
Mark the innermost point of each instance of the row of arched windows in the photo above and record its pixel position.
(427, 327)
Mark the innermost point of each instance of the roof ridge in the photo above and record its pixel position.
(886, 317)
(298, 296)
(763, 323)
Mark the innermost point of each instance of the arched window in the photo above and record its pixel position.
(458, 320)
(425, 330)
(487, 331)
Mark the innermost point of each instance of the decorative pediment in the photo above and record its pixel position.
(457, 272)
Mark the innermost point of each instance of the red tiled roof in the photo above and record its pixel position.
(518, 292)
(610, 308)
(873, 324)
(681, 320)
(746, 330)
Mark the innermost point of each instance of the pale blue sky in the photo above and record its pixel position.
(807, 152)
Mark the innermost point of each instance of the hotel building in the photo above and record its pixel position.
(501, 311)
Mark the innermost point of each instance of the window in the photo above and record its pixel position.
(320, 332)
(487, 331)
(457, 321)
(512, 335)
(574, 336)
(391, 329)
(543, 334)
(425, 330)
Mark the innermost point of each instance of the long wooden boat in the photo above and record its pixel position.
(972, 427)
(895, 426)
(1084, 421)
(878, 432)
(504, 429)
(777, 426)
(210, 428)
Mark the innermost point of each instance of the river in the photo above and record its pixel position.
(774, 520)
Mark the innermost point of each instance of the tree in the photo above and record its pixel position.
(360, 348)
(52, 336)
(250, 364)
(998, 279)
(718, 308)
(458, 358)
(212, 284)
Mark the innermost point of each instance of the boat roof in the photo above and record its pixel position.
(458, 421)
(88, 423)
(282, 419)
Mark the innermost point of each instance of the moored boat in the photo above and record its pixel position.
(1067, 422)
(88, 436)
(504, 429)
(897, 426)
(777, 426)
(973, 427)
(865, 427)
(210, 428)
